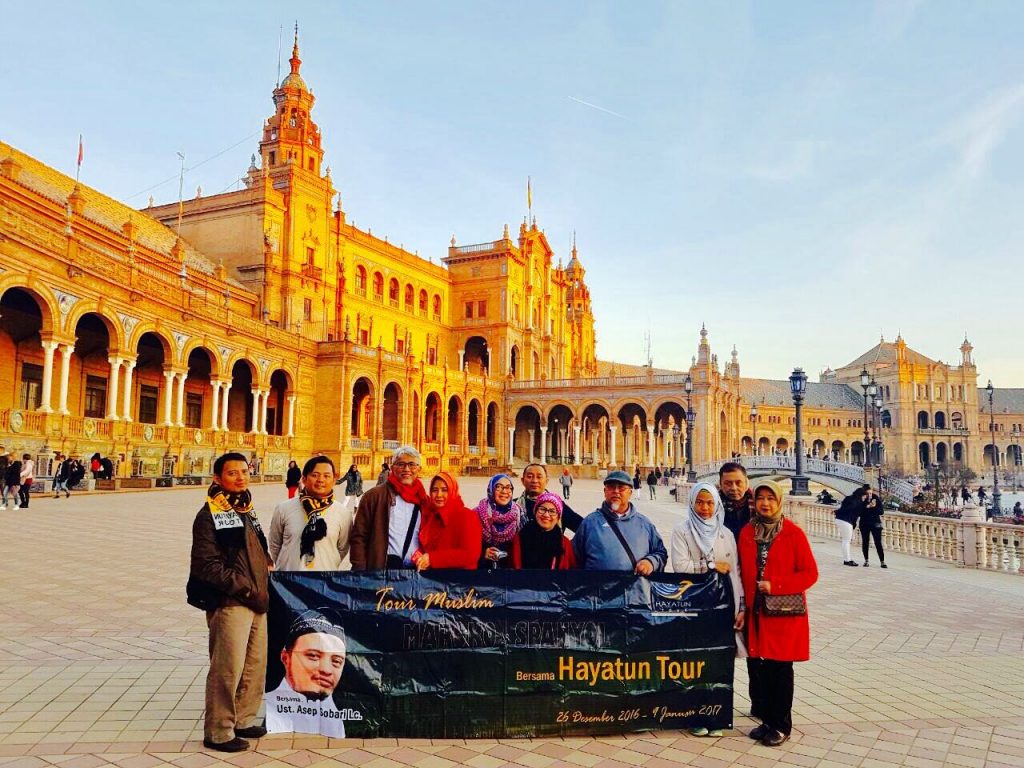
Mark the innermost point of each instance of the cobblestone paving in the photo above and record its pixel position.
(103, 663)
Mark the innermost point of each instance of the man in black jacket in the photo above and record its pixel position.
(734, 487)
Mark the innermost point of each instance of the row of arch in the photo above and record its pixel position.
(398, 417)
(412, 300)
(938, 420)
(104, 371)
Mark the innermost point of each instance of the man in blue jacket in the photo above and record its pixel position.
(617, 537)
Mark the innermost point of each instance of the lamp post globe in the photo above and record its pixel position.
(798, 388)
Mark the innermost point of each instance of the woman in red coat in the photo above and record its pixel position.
(450, 534)
(540, 543)
(775, 559)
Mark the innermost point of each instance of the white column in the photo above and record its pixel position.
(254, 422)
(511, 444)
(543, 445)
(224, 405)
(66, 350)
(462, 359)
(650, 444)
(594, 440)
(613, 430)
(115, 374)
(291, 415)
(531, 433)
(180, 416)
(129, 368)
(578, 448)
(49, 347)
(263, 413)
(214, 404)
(168, 396)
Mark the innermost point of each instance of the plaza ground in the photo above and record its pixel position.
(103, 663)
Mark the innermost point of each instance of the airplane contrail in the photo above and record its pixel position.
(594, 106)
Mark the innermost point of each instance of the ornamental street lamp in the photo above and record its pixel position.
(865, 382)
(691, 476)
(675, 446)
(1015, 438)
(996, 495)
(753, 422)
(798, 386)
(878, 443)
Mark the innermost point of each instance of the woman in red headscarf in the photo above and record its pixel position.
(451, 534)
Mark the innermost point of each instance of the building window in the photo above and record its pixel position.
(423, 303)
(310, 256)
(193, 410)
(273, 155)
(364, 337)
(378, 286)
(400, 346)
(481, 309)
(432, 356)
(469, 310)
(148, 398)
(95, 396)
(31, 386)
(307, 309)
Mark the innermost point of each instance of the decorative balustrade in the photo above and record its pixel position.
(1000, 547)
(432, 447)
(474, 450)
(454, 448)
(788, 463)
(389, 445)
(599, 381)
(492, 451)
(359, 444)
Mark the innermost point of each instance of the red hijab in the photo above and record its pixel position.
(434, 514)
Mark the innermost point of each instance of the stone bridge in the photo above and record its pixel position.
(835, 475)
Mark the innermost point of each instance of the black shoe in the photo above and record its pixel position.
(884, 565)
(252, 732)
(775, 739)
(850, 562)
(235, 745)
(759, 733)
(866, 565)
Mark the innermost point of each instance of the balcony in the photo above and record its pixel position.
(359, 444)
(312, 272)
(361, 291)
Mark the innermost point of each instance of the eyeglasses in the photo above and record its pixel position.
(503, 487)
(546, 511)
(405, 465)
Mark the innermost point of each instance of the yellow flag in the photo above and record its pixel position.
(529, 194)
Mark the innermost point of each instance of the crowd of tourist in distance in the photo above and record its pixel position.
(733, 528)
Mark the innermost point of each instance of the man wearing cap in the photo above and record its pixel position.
(386, 530)
(313, 657)
(616, 537)
(311, 532)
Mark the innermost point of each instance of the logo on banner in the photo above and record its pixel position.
(668, 598)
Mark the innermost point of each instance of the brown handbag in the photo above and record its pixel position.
(785, 605)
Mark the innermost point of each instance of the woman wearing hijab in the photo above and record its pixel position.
(701, 543)
(500, 519)
(450, 534)
(775, 559)
(540, 543)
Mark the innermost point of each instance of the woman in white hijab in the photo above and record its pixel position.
(700, 543)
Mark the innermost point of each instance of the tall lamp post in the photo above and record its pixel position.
(865, 382)
(878, 420)
(1015, 437)
(753, 422)
(798, 386)
(996, 495)
(691, 476)
(675, 446)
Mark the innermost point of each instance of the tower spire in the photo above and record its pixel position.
(295, 61)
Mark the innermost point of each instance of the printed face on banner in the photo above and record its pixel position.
(313, 666)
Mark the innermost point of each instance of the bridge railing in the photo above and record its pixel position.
(967, 543)
(788, 464)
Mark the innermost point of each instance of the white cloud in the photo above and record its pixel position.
(977, 134)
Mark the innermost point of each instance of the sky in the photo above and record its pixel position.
(803, 178)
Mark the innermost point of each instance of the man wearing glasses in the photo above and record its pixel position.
(387, 525)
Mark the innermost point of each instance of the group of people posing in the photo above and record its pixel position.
(863, 506)
(403, 524)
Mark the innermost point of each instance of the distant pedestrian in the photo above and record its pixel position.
(293, 478)
(652, 484)
(384, 473)
(982, 495)
(11, 481)
(846, 521)
(353, 481)
(27, 475)
(565, 480)
(61, 475)
(871, 525)
(76, 473)
(637, 482)
(96, 466)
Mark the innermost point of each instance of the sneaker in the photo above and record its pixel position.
(67, 494)
(850, 562)
(3, 507)
(775, 739)
(759, 733)
(716, 733)
(698, 731)
(252, 732)
(866, 564)
(884, 565)
(235, 745)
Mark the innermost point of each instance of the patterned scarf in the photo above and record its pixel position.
(229, 511)
(499, 527)
(316, 526)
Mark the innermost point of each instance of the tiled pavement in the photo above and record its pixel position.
(102, 663)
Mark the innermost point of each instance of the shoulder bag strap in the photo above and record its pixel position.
(622, 539)
(408, 533)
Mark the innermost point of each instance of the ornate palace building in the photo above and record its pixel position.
(262, 320)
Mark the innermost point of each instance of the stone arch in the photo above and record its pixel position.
(278, 386)
(216, 364)
(940, 420)
(455, 405)
(886, 419)
(818, 448)
(747, 445)
(764, 446)
(476, 356)
(437, 304)
(44, 300)
(514, 363)
(782, 445)
(391, 412)
(114, 328)
(595, 418)
(958, 452)
(423, 301)
(838, 450)
(956, 420)
(633, 418)
(559, 422)
(924, 455)
(409, 305)
(432, 418)
(923, 420)
(360, 279)
(244, 377)
(474, 415)
(240, 357)
(941, 453)
(526, 438)
(492, 425)
(22, 322)
(393, 291)
(378, 285)
(361, 421)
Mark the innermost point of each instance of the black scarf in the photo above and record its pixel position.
(230, 511)
(540, 548)
(316, 526)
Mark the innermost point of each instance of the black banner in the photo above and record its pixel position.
(498, 654)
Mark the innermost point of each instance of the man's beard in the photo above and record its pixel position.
(315, 696)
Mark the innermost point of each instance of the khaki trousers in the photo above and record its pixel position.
(238, 670)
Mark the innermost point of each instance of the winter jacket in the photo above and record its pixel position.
(850, 509)
(368, 549)
(737, 513)
(27, 474)
(791, 569)
(451, 539)
(13, 474)
(567, 563)
(599, 549)
(870, 516)
(292, 478)
(221, 573)
(353, 483)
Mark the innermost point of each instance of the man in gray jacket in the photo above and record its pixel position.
(616, 537)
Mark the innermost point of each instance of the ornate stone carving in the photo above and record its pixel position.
(129, 323)
(180, 339)
(65, 302)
